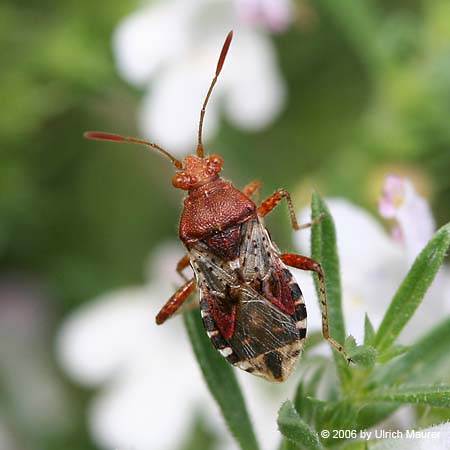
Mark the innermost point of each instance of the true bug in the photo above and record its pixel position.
(252, 308)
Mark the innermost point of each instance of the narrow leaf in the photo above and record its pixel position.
(413, 289)
(341, 415)
(392, 352)
(364, 355)
(222, 383)
(306, 406)
(324, 250)
(372, 414)
(424, 355)
(286, 444)
(295, 429)
(369, 332)
(300, 400)
(438, 396)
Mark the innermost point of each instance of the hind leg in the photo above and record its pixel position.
(305, 263)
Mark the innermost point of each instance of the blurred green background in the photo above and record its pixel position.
(368, 94)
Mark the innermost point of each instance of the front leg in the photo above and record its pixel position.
(175, 301)
(270, 202)
(181, 265)
(305, 263)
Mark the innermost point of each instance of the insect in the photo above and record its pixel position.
(252, 308)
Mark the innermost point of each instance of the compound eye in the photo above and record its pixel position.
(181, 180)
(214, 163)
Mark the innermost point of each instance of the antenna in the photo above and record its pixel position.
(98, 135)
(222, 57)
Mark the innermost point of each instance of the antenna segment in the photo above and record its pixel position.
(222, 57)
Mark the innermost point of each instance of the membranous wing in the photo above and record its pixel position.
(251, 306)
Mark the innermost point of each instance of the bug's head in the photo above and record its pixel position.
(197, 171)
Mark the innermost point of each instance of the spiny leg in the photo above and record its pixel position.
(175, 301)
(270, 202)
(181, 265)
(252, 188)
(305, 263)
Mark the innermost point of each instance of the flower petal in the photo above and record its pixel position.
(162, 265)
(274, 15)
(170, 111)
(149, 405)
(149, 38)
(372, 265)
(257, 92)
(103, 336)
(412, 213)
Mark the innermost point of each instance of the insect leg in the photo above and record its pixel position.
(252, 188)
(181, 265)
(305, 263)
(175, 301)
(316, 219)
(270, 202)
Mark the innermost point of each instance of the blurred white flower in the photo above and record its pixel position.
(148, 379)
(434, 438)
(171, 48)
(414, 221)
(374, 263)
(113, 344)
(275, 15)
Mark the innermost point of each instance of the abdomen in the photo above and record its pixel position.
(252, 308)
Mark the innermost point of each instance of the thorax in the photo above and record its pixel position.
(214, 212)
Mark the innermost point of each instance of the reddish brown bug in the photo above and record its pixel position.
(252, 308)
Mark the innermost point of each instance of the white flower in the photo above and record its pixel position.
(148, 379)
(434, 438)
(373, 263)
(171, 48)
(275, 15)
(415, 224)
(113, 343)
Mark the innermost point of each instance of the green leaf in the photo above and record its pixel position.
(308, 407)
(369, 332)
(286, 444)
(423, 356)
(392, 352)
(364, 355)
(222, 383)
(295, 429)
(324, 250)
(413, 289)
(370, 415)
(341, 415)
(300, 401)
(438, 396)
